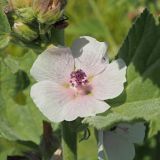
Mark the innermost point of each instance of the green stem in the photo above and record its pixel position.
(42, 33)
(69, 141)
(58, 37)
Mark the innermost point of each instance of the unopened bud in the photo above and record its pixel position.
(49, 11)
(25, 14)
(22, 9)
(14, 4)
(24, 32)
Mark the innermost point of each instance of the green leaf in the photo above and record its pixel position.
(4, 40)
(141, 97)
(4, 29)
(3, 3)
(4, 25)
(8, 148)
(12, 64)
(19, 118)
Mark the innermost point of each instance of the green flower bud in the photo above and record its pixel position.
(24, 32)
(22, 9)
(48, 11)
(14, 4)
(25, 14)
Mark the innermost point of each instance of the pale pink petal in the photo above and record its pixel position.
(53, 64)
(83, 106)
(133, 132)
(50, 97)
(110, 83)
(90, 55)
(118, 147)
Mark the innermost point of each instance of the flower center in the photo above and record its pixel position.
(78, 79)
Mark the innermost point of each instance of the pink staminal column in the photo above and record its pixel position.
(79, 82)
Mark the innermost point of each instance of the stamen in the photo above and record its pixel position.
(78, 78)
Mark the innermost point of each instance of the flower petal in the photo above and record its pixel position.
(118, 147)
(83, 106)
(133, 132)
(89, 55)
(50, 97)
(53, 64)
(58, 103)
(109, 84)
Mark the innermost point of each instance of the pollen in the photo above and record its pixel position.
(78, 78)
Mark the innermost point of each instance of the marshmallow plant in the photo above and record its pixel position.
(75, 82)
(77, 87)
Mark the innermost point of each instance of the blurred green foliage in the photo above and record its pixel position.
(106, 20)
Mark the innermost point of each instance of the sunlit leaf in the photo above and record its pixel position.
(4, 40)
(4, 25)
(4, 29)
(19, 118)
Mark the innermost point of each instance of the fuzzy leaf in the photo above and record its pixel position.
(4, 25)
(4, 29)
(8, 148)
(19, 118)
(4, 40)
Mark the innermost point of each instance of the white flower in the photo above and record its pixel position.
(119, 141)
(75, 82)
